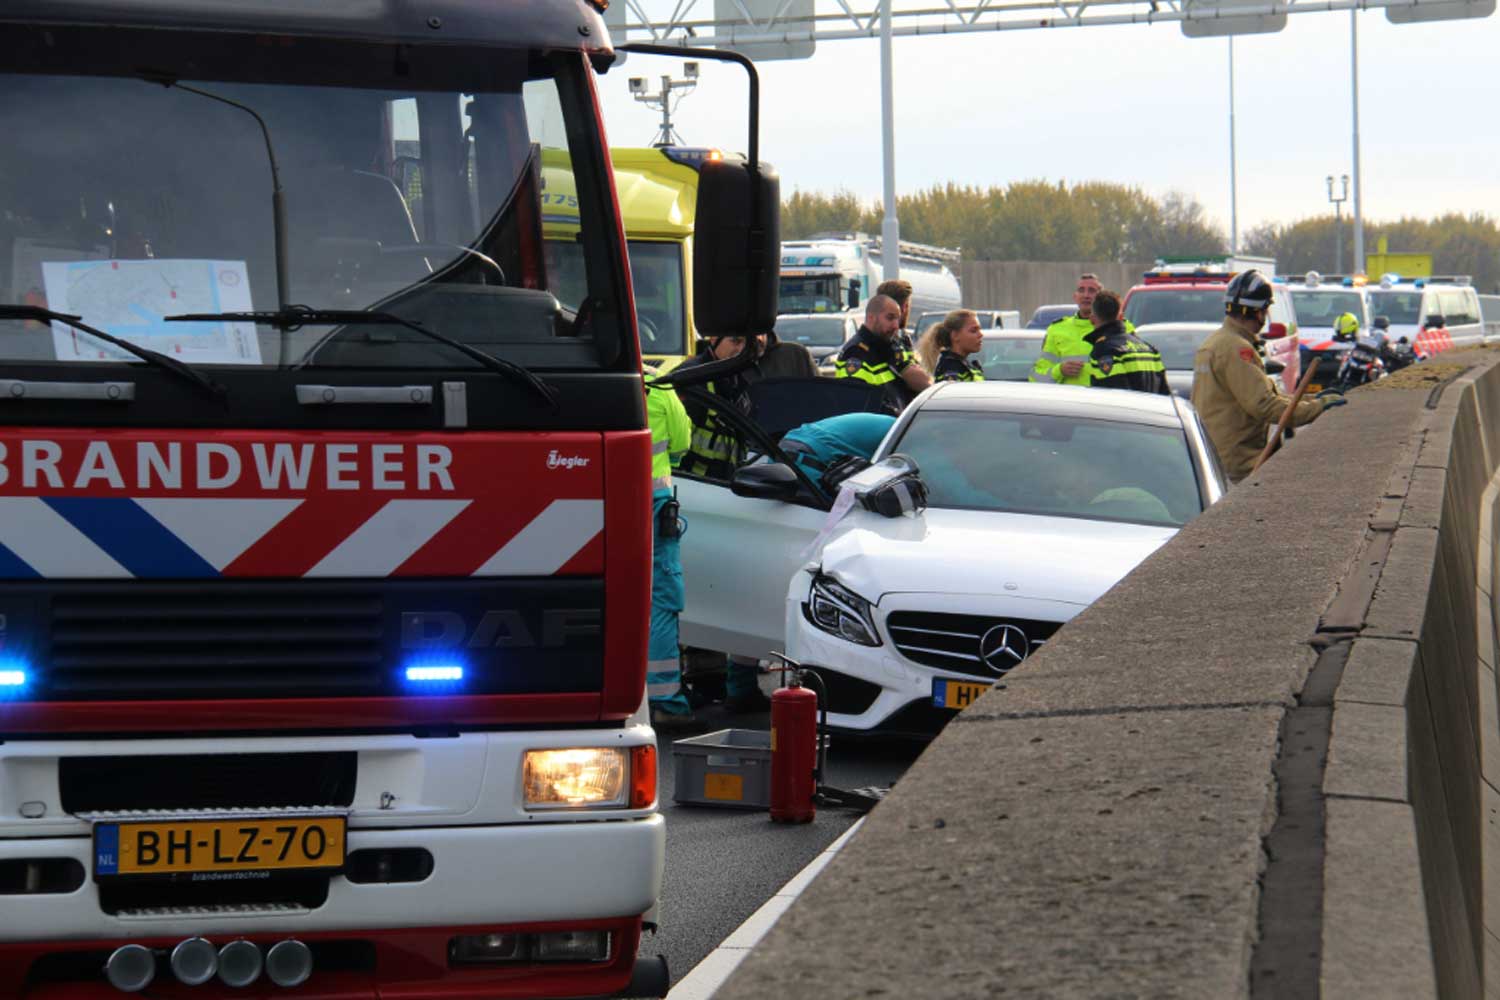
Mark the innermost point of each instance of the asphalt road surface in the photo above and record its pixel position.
(722, 863)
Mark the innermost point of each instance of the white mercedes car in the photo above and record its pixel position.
(1040, 498)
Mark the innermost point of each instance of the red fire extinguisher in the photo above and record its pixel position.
(794, 752)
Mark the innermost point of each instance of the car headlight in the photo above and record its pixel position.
(839, 611)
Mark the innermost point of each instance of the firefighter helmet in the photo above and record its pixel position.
(1345, 327)
(1249, 289)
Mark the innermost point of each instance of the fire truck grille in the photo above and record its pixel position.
(967, 644)
(277, 639)
(214, 641)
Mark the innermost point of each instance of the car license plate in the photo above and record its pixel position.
(189, 847)
(956, 694)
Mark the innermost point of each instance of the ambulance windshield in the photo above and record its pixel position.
(125, 202)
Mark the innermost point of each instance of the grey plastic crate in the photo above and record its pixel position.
(730, 768)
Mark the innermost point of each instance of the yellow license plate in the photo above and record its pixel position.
(237, 845)
(956, 694)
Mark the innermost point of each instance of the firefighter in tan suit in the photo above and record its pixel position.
(1237, 402)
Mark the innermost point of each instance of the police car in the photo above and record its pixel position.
(1319, 301)
(907, 619)
(1433, 314)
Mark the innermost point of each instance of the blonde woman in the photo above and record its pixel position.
(946, 347)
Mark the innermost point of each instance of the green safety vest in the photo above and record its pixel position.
(712, 451)
(671, 433)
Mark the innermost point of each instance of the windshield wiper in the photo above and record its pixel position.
(43, 315)
(296, 316)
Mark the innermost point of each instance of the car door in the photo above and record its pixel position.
(739, 553)
(738, 556)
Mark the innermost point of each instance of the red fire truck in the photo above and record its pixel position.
(324, 504)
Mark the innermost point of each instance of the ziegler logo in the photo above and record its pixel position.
(556, 461)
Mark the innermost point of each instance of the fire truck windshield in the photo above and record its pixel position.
(123, 202)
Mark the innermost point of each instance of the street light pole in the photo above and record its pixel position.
(890, 227)
(1234, 205)
(1338, 224)
(1359, 217)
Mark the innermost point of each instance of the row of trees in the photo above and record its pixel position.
(1029, 220)
(1459, 244)
(1042, 220)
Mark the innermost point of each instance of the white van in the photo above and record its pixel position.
(1433, 313)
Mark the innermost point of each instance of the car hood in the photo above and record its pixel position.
(1064, 559)
(1320, 339)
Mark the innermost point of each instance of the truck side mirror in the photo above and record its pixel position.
(853, 293)
(766, 481)
(737, 252)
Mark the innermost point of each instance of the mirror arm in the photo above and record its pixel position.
(753, 152)
(750, 429)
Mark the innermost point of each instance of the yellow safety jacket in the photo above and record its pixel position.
(1064, 342)
(671, 433)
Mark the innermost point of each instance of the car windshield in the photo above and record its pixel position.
(126, 202)
(655, 276)
(1398, 307)
(1047, 315)
(1175, 305)
(810, 295)
(1177, 347)
(1321, 308)
(812, 331)
(1053, 465)
(1009, 358)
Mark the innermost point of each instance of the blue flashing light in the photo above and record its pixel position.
(435, 673)
(15, 676)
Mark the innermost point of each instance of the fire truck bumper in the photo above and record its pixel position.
(518, 889)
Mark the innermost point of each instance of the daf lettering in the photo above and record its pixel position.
(503, 628)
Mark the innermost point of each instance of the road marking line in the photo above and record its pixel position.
(705, 978)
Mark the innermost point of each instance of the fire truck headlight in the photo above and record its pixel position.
(582, 778)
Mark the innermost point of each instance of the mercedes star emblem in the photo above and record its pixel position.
(1003, 647)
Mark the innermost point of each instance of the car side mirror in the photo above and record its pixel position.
(766, 481)
(1276, 331)
(1433, 322)
(737, 252)
(853, 293)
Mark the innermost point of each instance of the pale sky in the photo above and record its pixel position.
(1138, 105)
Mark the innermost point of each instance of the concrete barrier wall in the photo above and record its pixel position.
(1265, 764)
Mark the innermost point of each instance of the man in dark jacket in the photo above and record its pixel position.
(875, 355)
(1118, 359)
(715, 451)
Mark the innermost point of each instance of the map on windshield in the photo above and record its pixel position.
(130, 298)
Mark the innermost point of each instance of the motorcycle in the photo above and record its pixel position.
(1363, 363)
(1395, 356)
